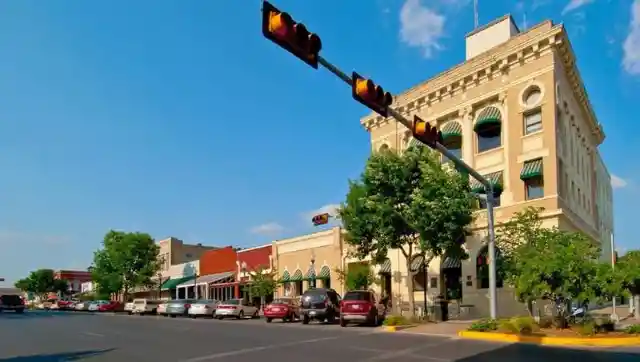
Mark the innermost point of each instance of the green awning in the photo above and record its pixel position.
(494, 178)
(285, 277)
(297, 276)
(173, 283)
(385, 268)
(451, 263)
(311, 273)
(450, 130)
(531, 169)
(325, 273)
(489, 116)
(416, 263)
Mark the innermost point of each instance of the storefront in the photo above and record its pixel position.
(218, 276)
(308, 261)
(176, 275)
(255, 264)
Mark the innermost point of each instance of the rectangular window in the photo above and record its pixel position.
(482, 203)
(534, 188)
(532, 122)
(419, 282)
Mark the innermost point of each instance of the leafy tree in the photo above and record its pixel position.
(262, 284)
(357, 276)
(41, 282)
(126, 260)
(546, 263)
(628, 274)
(407, 202)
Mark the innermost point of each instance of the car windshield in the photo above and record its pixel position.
(356, 296)
(314, 297)
(232, 302)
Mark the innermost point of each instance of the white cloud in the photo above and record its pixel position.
(575, 4)
(331, 209)
(618, 182)
(271, 228)
(421, 27)
(631, 45)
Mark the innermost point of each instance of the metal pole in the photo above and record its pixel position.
(461, 165)
(493, 300)
(424, 288)
(195, 286)
(614, 315)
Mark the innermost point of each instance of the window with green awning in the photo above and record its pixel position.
(495, 179)
(325, 273)
(451, 130)
(173, 283)
(487, 120)
(531, 169)
(297, 276)
(285, 277)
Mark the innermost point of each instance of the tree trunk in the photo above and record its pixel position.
(636, 306)
(412, 302)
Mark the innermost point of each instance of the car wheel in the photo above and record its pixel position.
(269, 320)
(343, 323)
(241, 315)
(19, 311)
(219, 318)
(305, 319)
(193, 316)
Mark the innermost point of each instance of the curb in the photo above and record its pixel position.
(396, 328)
(551, 341)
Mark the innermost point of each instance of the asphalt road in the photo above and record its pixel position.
(69, 336)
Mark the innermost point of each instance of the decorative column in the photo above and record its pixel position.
(468, 135)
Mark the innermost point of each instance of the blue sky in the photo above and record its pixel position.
(178, 119)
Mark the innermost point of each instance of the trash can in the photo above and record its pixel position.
(442, 309)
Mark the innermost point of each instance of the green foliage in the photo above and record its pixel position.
(358, 276)
(484, 325)
(41, 282)
(126, 260)
(518, 325)
(545, 322)
(588, 328)
(407, 202)
(395, 320)
(262, 284)
(633, 329)
(628, 272)
(548, 263)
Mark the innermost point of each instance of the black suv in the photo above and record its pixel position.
(320, 304)
(11, 302)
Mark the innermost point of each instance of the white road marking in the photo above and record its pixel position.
(255, 349)
(93, 334)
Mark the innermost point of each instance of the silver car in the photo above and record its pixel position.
(203, 308)
(179, 307)
(236, 308)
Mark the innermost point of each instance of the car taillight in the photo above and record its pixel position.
(187, 305)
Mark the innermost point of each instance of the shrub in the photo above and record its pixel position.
(395, 320)
(560, 322)
(545, 322)
(507, 326)
(524, 325)
(484, 325)
(588, 328)
(604, 325)
(633, 329)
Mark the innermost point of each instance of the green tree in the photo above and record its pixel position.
(126, 260)
(627, 272)
(407, 202)
(548, 263)
(357, 276)
(262, 284)
(40, 282)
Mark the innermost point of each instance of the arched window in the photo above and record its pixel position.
(488, 127)
(482, 269)
(384, 147)
(532, 96)
(452, 138)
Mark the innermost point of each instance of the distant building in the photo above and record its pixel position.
(74, 278)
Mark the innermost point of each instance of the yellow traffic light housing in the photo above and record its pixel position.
(371, 95)
(320, 219)
(281, 29)
(425, 133)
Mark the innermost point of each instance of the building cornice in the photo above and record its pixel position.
(486, 67)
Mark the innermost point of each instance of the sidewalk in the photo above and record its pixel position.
(445, 329)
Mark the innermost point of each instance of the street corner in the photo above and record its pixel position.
(396, 328)
(552, 341)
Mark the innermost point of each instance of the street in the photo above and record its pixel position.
(68, 336)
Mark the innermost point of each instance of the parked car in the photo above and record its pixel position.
(129, 307)
(236, 308)
(287, 309)
(320, 304)
(203, 308)
(66, 304)
(162, 308)
(361, 306)
(110, 306)
(145, 306)
(12, 302)
(95, 305)
(83, 306)
(179, 307)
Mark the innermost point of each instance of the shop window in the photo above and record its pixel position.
(532, 122)
(419, 281)
(482, 269)
(534, 188)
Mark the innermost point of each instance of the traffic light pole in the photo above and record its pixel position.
(461, 164)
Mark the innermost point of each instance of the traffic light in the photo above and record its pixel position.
(371, 95)
(425, 133)
(280, 28)
(320, 219)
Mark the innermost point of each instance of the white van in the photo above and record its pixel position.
(145, 306)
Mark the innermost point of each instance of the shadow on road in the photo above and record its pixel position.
(30, 314)
(58, 357)
(526, 353)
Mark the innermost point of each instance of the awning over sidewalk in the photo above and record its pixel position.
(173, 283)
(206, 279)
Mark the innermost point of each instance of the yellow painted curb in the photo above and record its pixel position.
(396, 328)
(551, 341)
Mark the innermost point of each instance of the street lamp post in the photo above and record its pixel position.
(195, 286)
(313, 267)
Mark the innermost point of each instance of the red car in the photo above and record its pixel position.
(112, 306)
(286, 309)
(360, 306)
